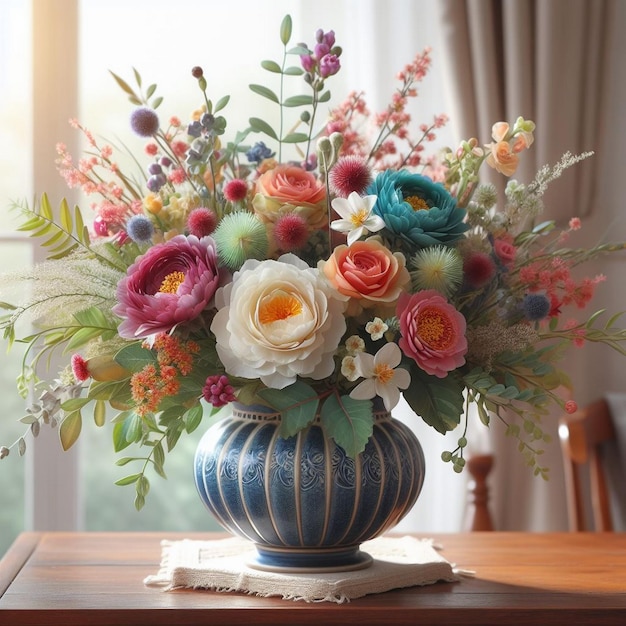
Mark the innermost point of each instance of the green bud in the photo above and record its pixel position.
(446, 456)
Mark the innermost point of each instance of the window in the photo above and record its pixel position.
(15, 63)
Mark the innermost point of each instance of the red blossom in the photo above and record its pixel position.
(235, 190)
(79, 368)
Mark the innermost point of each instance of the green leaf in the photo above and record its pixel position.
(297, 403)
(483, 414)
(150, 91)
(221, 103)
(293, 71)
(325, 97)
(128, 480)
(112, 390)
(65, 216)
(142, 486)
(156, 103)
(295, 138)
(99, 413)
(259, 126)
(496, 390)
(126, 432)
(123, 84)
(125, 460)
(438, 401)
(299, 50)
(159, 459)
(298, 101)
(93, 317)
(135, 357)
(285, 30)
(81, 337)
(70, 428)
(137, 77)
(271, 66)
(74, 404)
(172, 437)
(80, 224)
(265, 92)
(193, 418)
(349, 422)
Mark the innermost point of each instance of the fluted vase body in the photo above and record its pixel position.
(303, 502)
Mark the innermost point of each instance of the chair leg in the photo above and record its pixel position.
(478, 516)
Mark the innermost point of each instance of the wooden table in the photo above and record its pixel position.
(96, 578)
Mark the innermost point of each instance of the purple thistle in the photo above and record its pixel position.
(144, 122)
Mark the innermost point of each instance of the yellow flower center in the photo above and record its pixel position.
(417, 203)
(383, 373)
(359, 217)
(172, 282)
(279, 306)
(435, 329)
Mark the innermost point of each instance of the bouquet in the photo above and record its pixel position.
(311, 267)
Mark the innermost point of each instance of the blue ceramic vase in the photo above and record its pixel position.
(302, 501)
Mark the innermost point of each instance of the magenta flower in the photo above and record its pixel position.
(329, 65)
(170, 284)
(433, 332)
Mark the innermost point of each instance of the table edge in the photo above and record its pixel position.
(16, 557)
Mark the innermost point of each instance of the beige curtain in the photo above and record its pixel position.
(561, 64)
(545, 60)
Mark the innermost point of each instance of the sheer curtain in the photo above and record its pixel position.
(559, 63)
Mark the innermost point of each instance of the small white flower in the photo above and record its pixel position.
(382, 375)
(376, 328)
(355, 344)
(356, 212)
(348, 368)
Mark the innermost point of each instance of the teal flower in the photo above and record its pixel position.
(417, 210)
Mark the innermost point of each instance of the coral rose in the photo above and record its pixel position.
(170, 284)
(433, 332)
(278, 320)
(368, 272)
(502, 158)
(287, 189)
(505, 251)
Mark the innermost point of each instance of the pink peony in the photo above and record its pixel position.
(433, 332)
(171, 283)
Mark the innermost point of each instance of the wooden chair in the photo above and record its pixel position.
(477, 513)
(581, 435)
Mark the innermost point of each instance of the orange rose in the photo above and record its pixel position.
(289, 189)
(502, 158)
(367, 272)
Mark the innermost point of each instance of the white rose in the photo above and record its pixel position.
(278, 320)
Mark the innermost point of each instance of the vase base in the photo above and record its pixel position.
(309, 561)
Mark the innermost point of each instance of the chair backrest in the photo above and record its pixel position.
(581, 435)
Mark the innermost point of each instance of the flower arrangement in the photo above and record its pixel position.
(224, 270)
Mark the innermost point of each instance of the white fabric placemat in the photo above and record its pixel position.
(220, 565)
